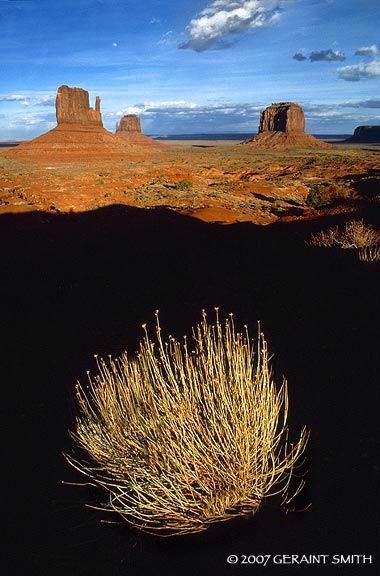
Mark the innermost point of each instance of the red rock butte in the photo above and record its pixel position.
(79, 134)
(72, 106)
(282, 127)
(129, 129)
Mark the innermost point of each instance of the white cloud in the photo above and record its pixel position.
(371, 51)
(14, 98)
(46, 101)
(168, 107)
(225, 17)
(31, 120)
(358, 72)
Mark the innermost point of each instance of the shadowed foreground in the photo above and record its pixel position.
(81, 284)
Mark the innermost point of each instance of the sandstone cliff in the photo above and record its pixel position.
(129, 129)
(129, 123)
(73, 107)
(282, 127)
(282, 117)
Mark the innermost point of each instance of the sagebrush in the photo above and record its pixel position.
(186, 434)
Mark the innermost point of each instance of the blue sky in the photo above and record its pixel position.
(190, 66)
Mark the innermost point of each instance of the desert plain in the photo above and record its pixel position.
(215, 181)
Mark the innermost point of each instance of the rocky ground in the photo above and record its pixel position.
(213, 181)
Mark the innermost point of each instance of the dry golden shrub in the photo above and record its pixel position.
(354, 235)
(186, 434)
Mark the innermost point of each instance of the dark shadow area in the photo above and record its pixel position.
(367, 185)
(79, 284)
(10, 144)
(202, 146)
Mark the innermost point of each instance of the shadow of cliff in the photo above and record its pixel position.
(81, 284)
(367, 184)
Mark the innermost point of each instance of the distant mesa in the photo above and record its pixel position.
(282, 127)
(79, 134)
(366, 135)
(129, 129)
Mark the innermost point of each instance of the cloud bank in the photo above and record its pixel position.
(14, 98)
(363, 104)
(186, 117)
(181, 117)
(223, 18)
(358, 72)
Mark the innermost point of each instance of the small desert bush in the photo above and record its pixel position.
(354, 235)
(186, 434)
(327, 193)
(183, 185)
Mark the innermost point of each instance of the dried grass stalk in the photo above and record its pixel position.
(184, 435)
(354, 235)
(370, 253)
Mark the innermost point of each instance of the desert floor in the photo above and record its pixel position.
(224, 182)
(90, 250)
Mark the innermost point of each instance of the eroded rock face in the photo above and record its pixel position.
(282, 117)
(73, 107)
(282, 127)
(365, 134)
(129, 123)
(129, 130)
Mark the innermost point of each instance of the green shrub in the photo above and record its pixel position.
(186, 434)
(183, 185)
(327, 193)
